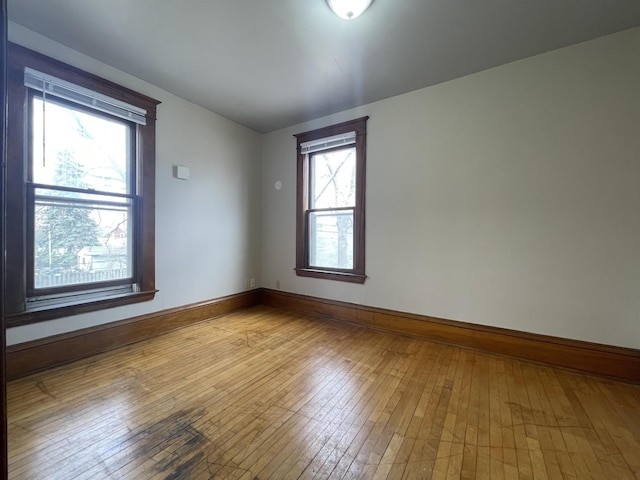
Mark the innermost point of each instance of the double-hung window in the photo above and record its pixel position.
(330, 202)
(80, 170)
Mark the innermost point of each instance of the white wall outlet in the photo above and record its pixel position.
(252, 283)
(278, 284)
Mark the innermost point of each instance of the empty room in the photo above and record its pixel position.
(321, 239)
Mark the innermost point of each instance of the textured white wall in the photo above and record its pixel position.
(207, 228)
(510, 197)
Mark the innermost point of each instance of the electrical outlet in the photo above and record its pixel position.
(252, 283)
(278, 284)
(246, 284)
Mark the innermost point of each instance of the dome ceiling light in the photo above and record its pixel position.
(348, 9)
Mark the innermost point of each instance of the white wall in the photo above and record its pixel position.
(207, 228)
(510, 197)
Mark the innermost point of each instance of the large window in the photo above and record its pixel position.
(331, 197)
(81, 186)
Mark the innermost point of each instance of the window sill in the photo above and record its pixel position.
(40, 314)
(331, 275)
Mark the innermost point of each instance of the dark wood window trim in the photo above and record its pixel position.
(4, 469)
(16, 285)
(303, 269)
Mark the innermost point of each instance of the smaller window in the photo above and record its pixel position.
(330, 202)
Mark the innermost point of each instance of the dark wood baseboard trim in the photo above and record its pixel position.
(31, 357)
(616, 362)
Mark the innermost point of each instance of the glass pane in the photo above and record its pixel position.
(81, 242)
(331, 239)
(81, 150)
(333, 179)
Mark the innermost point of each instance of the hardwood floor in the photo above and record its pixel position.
(265, 394)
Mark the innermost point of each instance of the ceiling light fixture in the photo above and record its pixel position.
(348, 9)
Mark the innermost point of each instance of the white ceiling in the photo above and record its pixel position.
(271, 64)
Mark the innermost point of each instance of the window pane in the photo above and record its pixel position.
(331, 239)
(81, 242)
(333, 179)
(81, 150)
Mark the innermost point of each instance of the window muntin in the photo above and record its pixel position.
(330, 210)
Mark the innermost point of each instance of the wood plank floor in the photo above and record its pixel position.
(266, 394)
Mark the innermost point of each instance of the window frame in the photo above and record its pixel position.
(303, 267)
(17, 289)
(32, 186)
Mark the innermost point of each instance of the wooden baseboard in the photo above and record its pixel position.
(30, 357)
(616, 362)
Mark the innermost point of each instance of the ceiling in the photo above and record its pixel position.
(272, 64)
